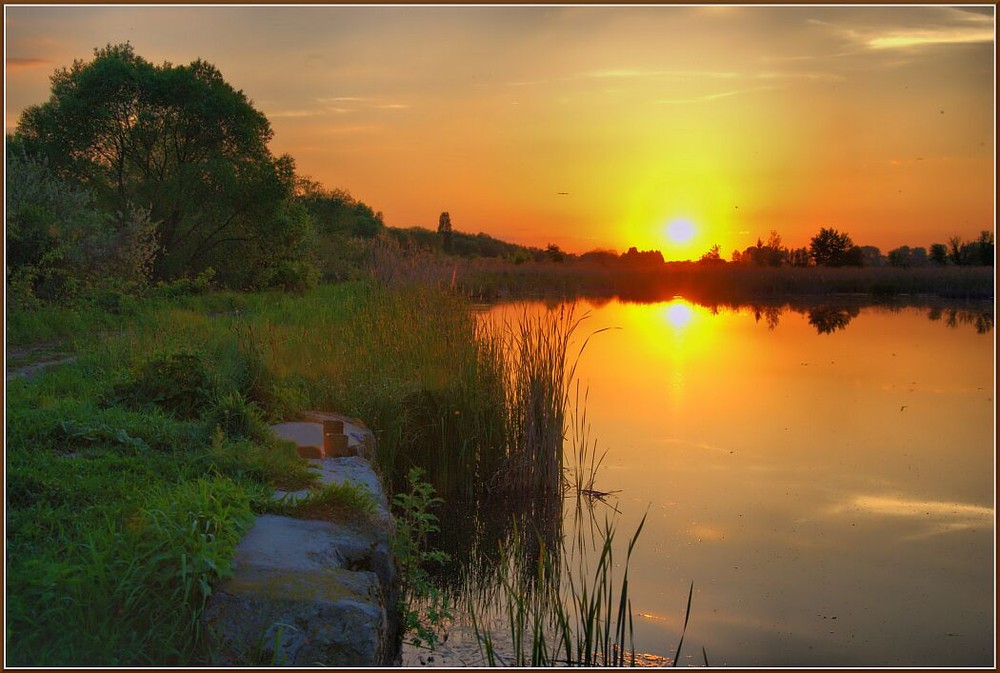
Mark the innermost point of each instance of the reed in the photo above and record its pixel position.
(558, 612)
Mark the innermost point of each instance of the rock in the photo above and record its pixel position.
(359, 438)
(350, 438)
(307, 592)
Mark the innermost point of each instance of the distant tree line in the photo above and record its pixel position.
(835, 248)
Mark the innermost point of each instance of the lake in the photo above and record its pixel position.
(824, 475)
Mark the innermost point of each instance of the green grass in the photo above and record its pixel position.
(345, 501)
(131, 471)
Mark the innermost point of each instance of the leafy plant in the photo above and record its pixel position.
(425, 608)
(236, 416)
(178, 382)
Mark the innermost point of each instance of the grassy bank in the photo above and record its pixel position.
(133, 471)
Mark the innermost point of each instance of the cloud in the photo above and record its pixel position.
(621, 72)
(924, 38)
(14, 62)
(772, 75)
(632, 73)
(710, 97)
(294, 113)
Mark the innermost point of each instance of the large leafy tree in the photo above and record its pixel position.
(182, 143)
(833, 248)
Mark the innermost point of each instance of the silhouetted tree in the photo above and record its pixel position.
(956, 251)
(831, 248)
(602, 257)
(634, 257)
(799, 257)
(939, 254)
(712, 256)
(555, 253)
(872, 256)
(444, 229)
(985, 248)
(906, 257)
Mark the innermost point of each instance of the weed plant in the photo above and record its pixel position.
(425, 609)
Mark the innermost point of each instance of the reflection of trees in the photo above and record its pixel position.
(770, 314)
(829, 319)
(981, 320)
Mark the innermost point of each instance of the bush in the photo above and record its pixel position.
(236, 417)
(294, 276)
(176, 382)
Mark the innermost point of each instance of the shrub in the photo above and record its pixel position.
(236, 417)
(178, 382)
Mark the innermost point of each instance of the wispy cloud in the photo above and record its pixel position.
(294, 113)
(621, 72)
(785, 75)
(925, 38)
(710, 97)
(634, 73)
(14, 62)
(698, 99)
(341, 99)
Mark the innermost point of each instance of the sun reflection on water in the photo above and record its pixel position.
(678, 313)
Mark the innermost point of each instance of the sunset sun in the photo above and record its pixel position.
(680, 231)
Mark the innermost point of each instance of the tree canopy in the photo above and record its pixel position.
(182, 144)
(833, 248)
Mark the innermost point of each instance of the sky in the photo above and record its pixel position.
(596, 127)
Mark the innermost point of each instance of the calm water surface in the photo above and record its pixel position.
(825, 477)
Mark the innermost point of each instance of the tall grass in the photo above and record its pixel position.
(480, 406)
(558, 612)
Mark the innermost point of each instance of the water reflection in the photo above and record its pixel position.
(794, 478)
(982, 320)
(475, 534)
(830, 317)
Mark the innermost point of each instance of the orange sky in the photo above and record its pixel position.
(878, 121)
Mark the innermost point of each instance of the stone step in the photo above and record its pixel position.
(305, 592)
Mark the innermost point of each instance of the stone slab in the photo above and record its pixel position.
(296, 617)
(306, 592)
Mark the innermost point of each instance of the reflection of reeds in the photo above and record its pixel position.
(559, 613)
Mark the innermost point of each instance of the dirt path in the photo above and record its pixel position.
(27, 361)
